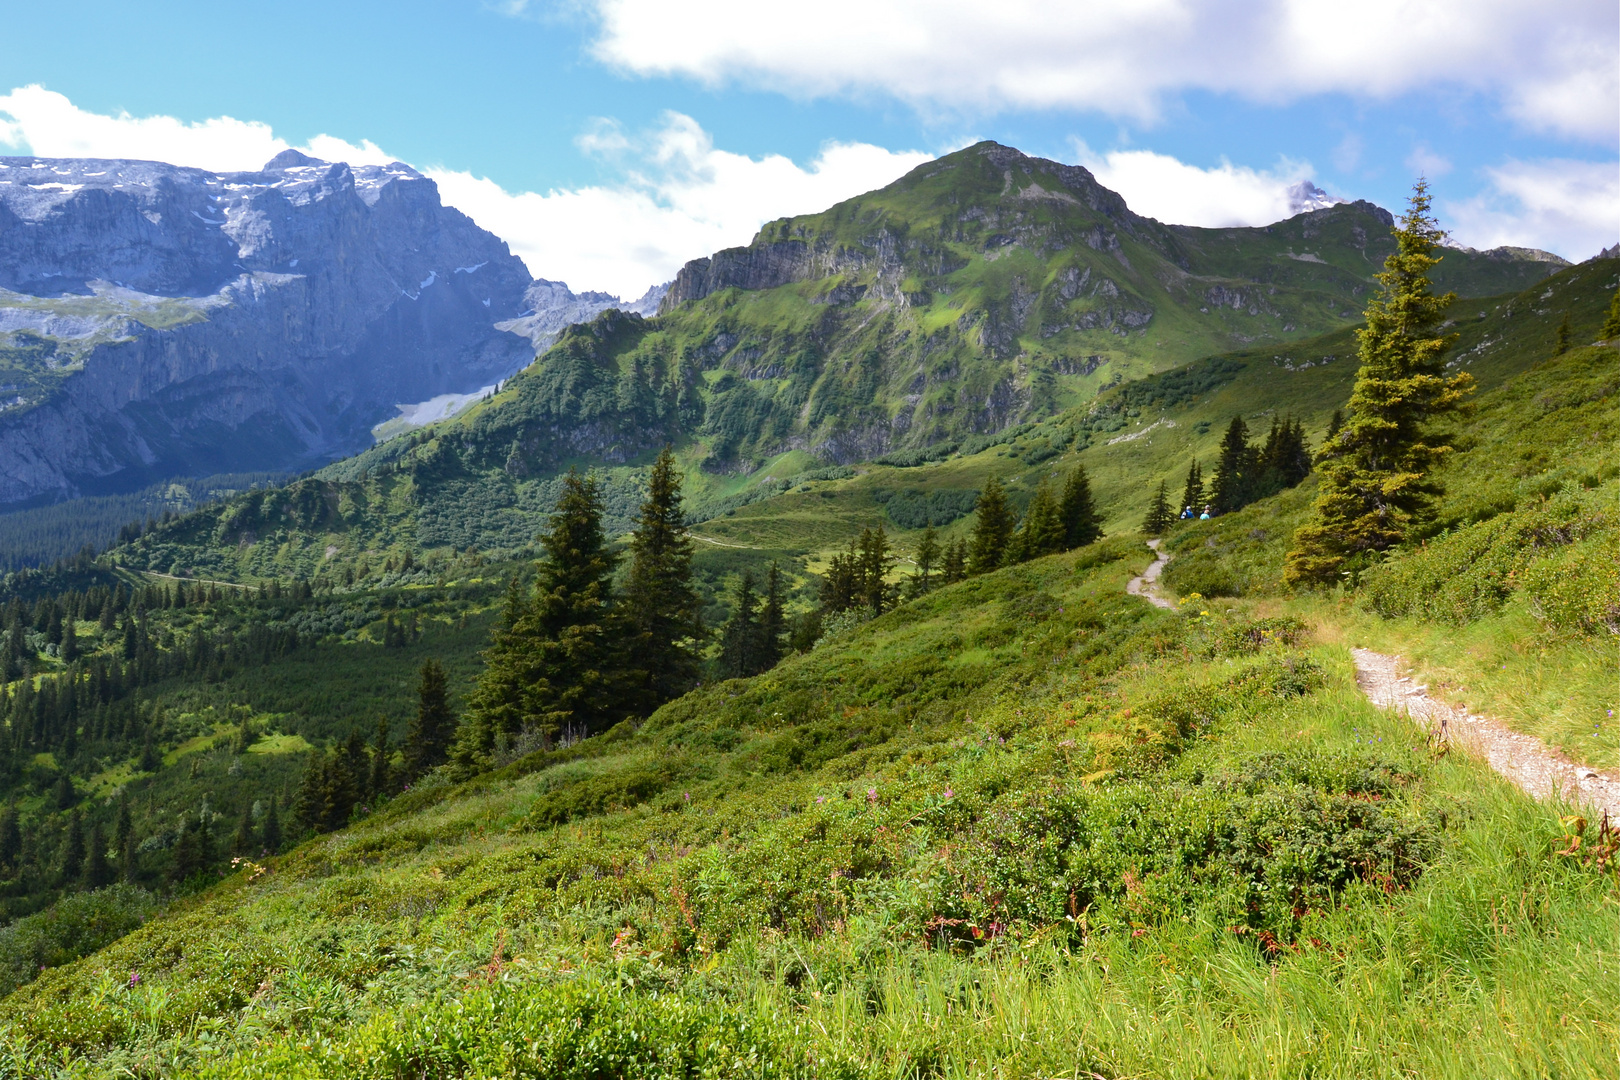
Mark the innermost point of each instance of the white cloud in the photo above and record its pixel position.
(1425, 161)
(47, 124)
(1163, 187)
(1551, 63)
(680, 198)
(1571, 208)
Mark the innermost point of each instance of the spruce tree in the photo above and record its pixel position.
(378, 784)
(739, 637)
(432, 731)
(1192, 495)
(97, 872)
(271, 833)
(660, 603)
(309, 802)
(992, 529)
(1234, 483)
(955, 567)
(1159, 516)
(876, 559)
(1611, 321)
(927, 560)
(123, 826)
(1561, 338)
(558, 666)
(1043, 532)
(188, 854)
(841, 584)
(10, 839)
(1375, 470)
(1081, 523)
(73, 849)
(242, 841)
(772, 621)
(70, 642)
(1335, 424)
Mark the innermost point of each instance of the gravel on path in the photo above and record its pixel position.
(1147, 584)
(1523, 759)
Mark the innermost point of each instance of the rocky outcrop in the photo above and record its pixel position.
(236, 321)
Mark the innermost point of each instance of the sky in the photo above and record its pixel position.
(609, 141)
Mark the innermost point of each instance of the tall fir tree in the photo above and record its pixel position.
(270, 834)
(379, 785)
(1376, 469)
(1159, 516)
(559, 666)
(841, 583)
(1192, 494)
(1561, 338)
(875, 560)
(10, 839)
(1611, 321)
(660, 604)
(98, 873)
(1042, 532)
(431, 732)
(954, 568)
(1082, 524)
(927, 561)
(992, 529)
(243, 842)
(772, 620)
(1234, 482)
(188, 851)
(739, 637)
(73, 849)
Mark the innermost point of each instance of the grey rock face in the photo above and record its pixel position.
(236, 321)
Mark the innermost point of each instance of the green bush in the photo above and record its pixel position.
(74, 926)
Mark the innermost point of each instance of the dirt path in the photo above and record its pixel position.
(1147, 585)
(1523, 759)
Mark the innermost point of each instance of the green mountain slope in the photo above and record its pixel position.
(987, 832)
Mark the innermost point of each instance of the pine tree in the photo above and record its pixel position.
(992, 529)
(772, 621)
(431, 733)
(927, 560)
(1561, 338)
(739, 637)
(660, 603)
(10, 839)
(377, 784)
(150, 758)
(123, 826)
(1159, 516)
(63, 795)
(558, 665)
(271, 833)
(1375, 471)
(309, 802)
(841, 584)
(70, 642)
(875, 560)
(97, 873)
(955, 568)
(1192, 495)
(73, 849)
(242, 841)
(1335, 425)
(1043, 532)
(1081, 523)
(188, 853)
(1234, 483)
(1611, 322)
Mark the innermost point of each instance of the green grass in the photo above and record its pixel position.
(851, 861)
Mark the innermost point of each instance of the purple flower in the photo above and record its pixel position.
(134, 979)
(871, 794)
(949, 794)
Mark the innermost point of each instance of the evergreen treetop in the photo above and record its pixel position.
(1375, 469)
(1078, 511)
(992, 529)
(660, 602)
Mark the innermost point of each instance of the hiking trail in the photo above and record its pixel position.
(1524, 759)
(1146, 585)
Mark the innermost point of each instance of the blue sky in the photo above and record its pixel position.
(609, 140)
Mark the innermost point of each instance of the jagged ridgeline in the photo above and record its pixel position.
(979, 291)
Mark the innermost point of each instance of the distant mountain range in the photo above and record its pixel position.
(158, 321)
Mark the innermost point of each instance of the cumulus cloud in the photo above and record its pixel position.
(1571, 208)
(678, 197)
(1166, 188)
(1550, 63)
(47, 124)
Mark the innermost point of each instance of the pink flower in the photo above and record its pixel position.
(949, 794)
(871, 794)
(134, 979)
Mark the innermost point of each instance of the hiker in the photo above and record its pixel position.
(1205, 515)
(1186, 514)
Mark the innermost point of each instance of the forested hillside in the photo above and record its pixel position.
(873, 770)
